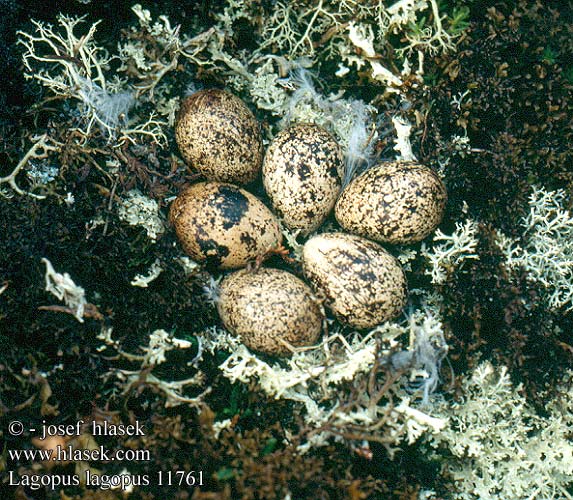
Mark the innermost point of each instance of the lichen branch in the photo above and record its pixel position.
(39, 150)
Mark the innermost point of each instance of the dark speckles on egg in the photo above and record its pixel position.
(213, 252)
(300, 175)
(304, 172)
(223, 225)
(269, 308)
(249, 242)
(219, 136)
(364, 285)
(232, 204)
(393, 202)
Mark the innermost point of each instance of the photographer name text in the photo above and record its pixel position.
(96, 429)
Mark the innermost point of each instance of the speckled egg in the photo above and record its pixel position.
(363, 284)
(219, 136)
(223, 225)
(269, 309)
(300, 175)
(393, 203)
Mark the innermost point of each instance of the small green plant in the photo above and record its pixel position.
(269, 447)
(459, 20)
(549, 55)
(238, 394)
(225, 474)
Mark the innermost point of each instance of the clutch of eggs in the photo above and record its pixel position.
(227, 227)
(393, 202)
(223, 225)
(363, 284)
(270, 309)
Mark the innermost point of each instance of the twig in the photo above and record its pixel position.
(90, 310)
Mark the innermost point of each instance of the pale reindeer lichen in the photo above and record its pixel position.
(339, 382)
(496, 445)
(139, 210)
(41, 148)
(452, 250)
(64, 288)
(545, 250)
(159, 344)
(143, 280)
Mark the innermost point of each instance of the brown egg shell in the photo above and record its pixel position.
(219, 136)
(267, 308)
(393, 202)
(300, 175)
(223, 225)
(363, 284)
